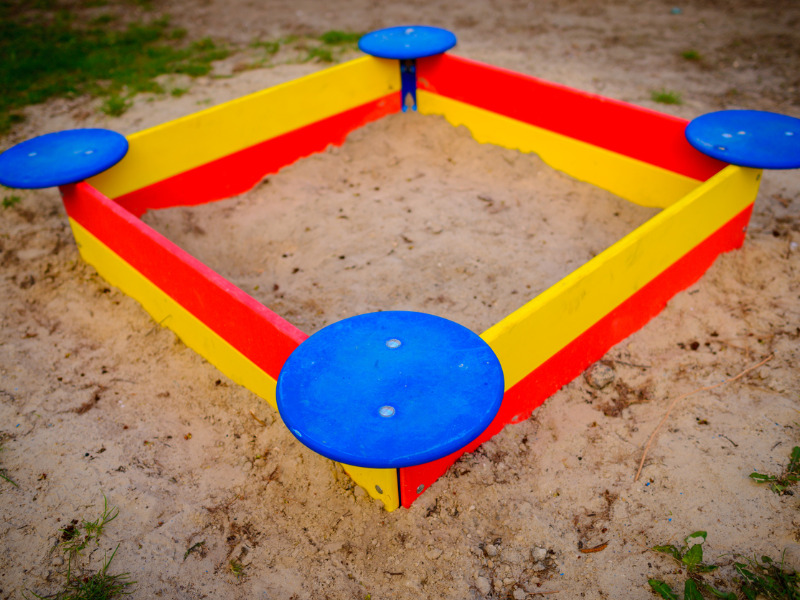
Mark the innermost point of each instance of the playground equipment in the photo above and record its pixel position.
(638, 154)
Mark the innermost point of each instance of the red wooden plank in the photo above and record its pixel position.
(634, 131)
(257, 332)
(238, 172)
(589, 347)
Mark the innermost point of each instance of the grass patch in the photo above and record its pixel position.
(3, 473)
(76, 536)
(48, 55)
(666, 97)
(236, 568)
(89, 586)
(99, 586)
(338, 38)
(319, 54)
(328, 47)
(757, 580)
(692, 55)
(766, 579)
(780, 483)
(8, 202)
(690, 557)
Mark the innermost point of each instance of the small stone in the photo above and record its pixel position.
(519, 594)
(57, 561)
(539, 566)
(599, 375)
(483, 585)
(490, 550)
(538, 554)
(433, 553)
(509, 581)
(360, 492)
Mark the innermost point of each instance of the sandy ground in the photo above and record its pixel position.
(96, 398)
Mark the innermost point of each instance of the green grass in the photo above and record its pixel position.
(690, 557)
(89, 586)
(99, 586)
(3, 474)
(236, 568)
(76, 537)
(319, 54)
(666, 97)
(692, 55)
(757, 580)
(338, 38)
(766, 579)
(780, 483)
(12, 200)
(48, 55)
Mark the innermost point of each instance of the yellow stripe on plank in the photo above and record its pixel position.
(167, 312)
(379, 483)
(177, 146)
(632, 179)
(532, 334)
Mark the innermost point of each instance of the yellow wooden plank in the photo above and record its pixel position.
(379, 483)
(165, 311)
(535, 332)
(634, 180)
(174, 147)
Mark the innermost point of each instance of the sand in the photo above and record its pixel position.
(98, 399)
(409, 214)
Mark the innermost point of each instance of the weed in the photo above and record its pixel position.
(9, 201)
(100, 586)
(336, 38)
(75, 537)
(103, 20)
(320, 54)
(692, 55)
(3, 473)
(47, 56)
(236, 568)
(790, 475)
(690, 557)
(768, 580)
(666, 97)
(178, 92)
(115, 105)
(196, 547)
(268, 46)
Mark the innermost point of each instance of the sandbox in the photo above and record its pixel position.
(636, 154)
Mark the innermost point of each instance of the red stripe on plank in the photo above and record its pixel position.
(634, 131)
(249, 326)
(238, 172)
(590, 346)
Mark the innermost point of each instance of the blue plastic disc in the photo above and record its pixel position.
(748, 138)
(390, 389)
(407, 42)
(59, 158)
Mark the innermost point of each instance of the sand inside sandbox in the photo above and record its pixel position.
(409, 214)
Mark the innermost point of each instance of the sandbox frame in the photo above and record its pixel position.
(636, 153)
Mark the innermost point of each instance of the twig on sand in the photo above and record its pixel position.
(262, 423)
(686, 395)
